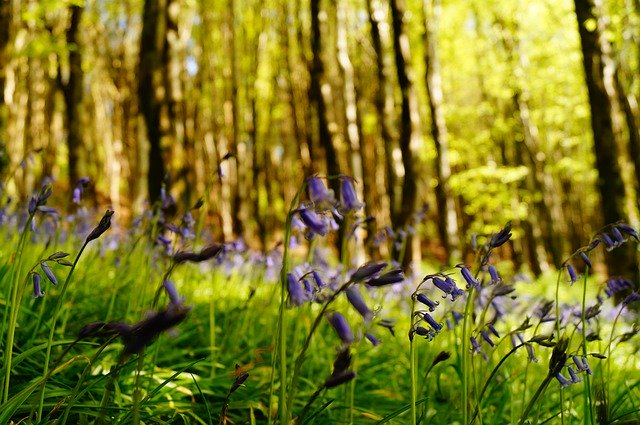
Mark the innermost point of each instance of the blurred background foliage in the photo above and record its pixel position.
(469, 112)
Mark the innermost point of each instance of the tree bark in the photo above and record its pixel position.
(151, 93)
(316, 98)
(599, 72)
(72, 93)
(402, 61)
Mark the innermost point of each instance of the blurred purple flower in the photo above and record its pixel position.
(341, 327)
(426, 301)
(356, 300)
(322, 198)
(37, 289)
(314, 222)
(348, 198)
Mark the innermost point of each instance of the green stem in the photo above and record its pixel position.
(587, 386)
(465, 356)
(14, 309)
(412, 367)
(284, 403)
(56, 313)
(532, 402)
(558, 337)
(305, 346)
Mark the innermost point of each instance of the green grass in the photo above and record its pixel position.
(183, 378)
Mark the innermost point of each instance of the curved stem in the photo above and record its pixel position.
(56, 313)
(14, 309)
(532, 402)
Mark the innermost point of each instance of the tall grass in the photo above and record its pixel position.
(159, 325)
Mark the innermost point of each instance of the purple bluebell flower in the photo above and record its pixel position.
(316, 224)
(585, 366)
(608, 242)
(443, 285)
(47, 271)
(422, 331)
(617, 284)
(37, 288)
(631, 298)
(495, 277)
(426, 301)
(102, 227)
(339, 379)
(564, 382)
(356, 300)
(321, 197)
(625, 228)
(437, 327)
(501, 237)
(32, 205)
(348, 198)
(341, 327)
(372, 339)
(617, 236)
(578, 362)
(493, 330)
(573, 276)
(476, 349)
(172, 292)
(574, 377)
(468, 277)
(318, 279)
(388, 278)
(585, 258)
(205, 254)
(487, 338)
(367, 271)
(296, 293)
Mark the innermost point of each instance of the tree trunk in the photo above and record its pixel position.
(151, 93)
(599, 72)
(72, 92)
(316, 98)
(402, 61)
(447, 217)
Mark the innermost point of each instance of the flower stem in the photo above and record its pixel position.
(56, 314)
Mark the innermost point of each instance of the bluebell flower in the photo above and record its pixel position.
(296, 294)
(495, 278)
(422, 331)
(608, 242)
(564, 382)
(426, 301)
(585, 366)
(37, 288)
(573, 276)
(631, 298)
(388, 278)
(172, 292)
(468, 277)
(314, 222)
(617, 236)
(316, 277)
(493, 330)
(341, 327)
(487, 338)
(372, 339)
(447, 286)
(625, 228)
(103, 226)
(367, 271)
(574, 377)
(586, 260)
(339, 379)
(47, 271)
(437, 327)
(321, 197)
(356, 300)
(501, 237)
(348, 198)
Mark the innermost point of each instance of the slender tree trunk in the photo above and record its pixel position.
(599, 72)
(151, 92)
(72, 92)
(447, 217)
(316, 98)
(402, 61)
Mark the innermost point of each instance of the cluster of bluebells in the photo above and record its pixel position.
(581, 365)
(618, 234)
(323, 212)
(56, 257)
(79, 189)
